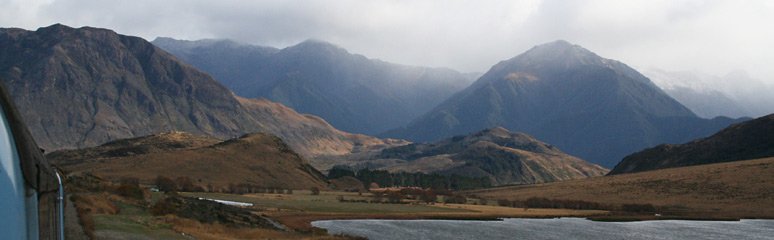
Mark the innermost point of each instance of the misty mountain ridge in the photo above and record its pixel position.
(352, 92)
(735, 94)
(595, 108)
(87, 86)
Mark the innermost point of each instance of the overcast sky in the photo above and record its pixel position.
(714, 37)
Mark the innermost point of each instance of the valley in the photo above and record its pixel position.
(217, 139)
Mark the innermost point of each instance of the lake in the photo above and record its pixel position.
(557, 228)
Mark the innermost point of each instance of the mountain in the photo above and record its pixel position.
(742, 141)
(497, 154)
(312, 136)
(87, 86)
(258, 159)
(354, 93)
(595, 108)
(734, 95)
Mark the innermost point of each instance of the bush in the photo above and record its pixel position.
(394, 197)
(168, 205)
(166, 184)
(315, 191)
(428, 197)
(184, 184)
(459, 199)
(130, 191)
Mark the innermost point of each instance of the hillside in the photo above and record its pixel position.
(352, 92)
(311, 136)
(496, 154)
(742, 141)
(87, 86)
(83, 87)
(743, 189)
(257, 159)
(595, 108)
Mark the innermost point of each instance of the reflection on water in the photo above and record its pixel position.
(558, 228)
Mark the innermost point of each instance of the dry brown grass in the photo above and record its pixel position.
(743, 189)
(86, 205)
(221, 232)
(258, 159)
(485, 210)
(98, 203)
(302, 221)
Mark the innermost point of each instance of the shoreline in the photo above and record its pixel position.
(303, 222)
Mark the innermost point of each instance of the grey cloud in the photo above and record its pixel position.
(710, 36)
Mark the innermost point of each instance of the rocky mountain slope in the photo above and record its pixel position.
(595, 108)
(312, 136)
(258, 159)
(87, 86)
(742, 141)
(354, 93)
(497, 154)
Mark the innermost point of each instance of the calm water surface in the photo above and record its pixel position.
(558, 228)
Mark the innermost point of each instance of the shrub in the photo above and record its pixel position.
(163, 207)
(455, 199)
(166, 184)
(428, 197)
(130, 191)
(184, 184)
(394, 197)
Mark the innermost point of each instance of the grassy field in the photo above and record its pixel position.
(742, 189)
(298, 210)
(132, 222)
(327, 202)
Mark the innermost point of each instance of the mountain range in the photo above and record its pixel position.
(87, 86)
(751, 139)
(734, 95)
(352, 92)
(595, 108)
